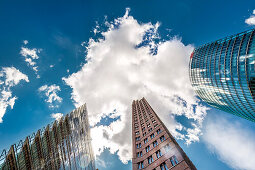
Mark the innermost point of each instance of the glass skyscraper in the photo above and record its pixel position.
(65, 144)
(223, 74)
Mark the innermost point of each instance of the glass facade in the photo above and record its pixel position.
(223, 74)
(65, 144)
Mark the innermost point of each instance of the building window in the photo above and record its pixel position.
(138, 154)
(150, 129)
(147, 148)
(137, 138)
(141, 154)
(174, 160)
(138, 145)
(158, 131)
(150, 159)
(158, 153)
(162, 138)
(163, 166)
(167, 147)
(137, 132)
(145, 140)
(152, 135)
(155, 143)
(140, 165)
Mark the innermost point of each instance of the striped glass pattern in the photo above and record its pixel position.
(222, 74)
(65, 144)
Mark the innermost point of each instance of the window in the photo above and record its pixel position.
(150, 159)
(158, 131)
(174, 160)
(137, 132)
(155, 143)
(167, 147)
(140, 165)
(150, 129)
(147, 148)
(163, 166)
(141, 154)
(144, 134)
(145, 140)
(156, 125)
(137, 138)
(143, 129)
(138, 154)
(138, 145)
(158, 153)
(152, 135)
(162, 138)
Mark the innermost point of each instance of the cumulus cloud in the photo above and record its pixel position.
(51, 95)
(131, 62)
(251, 19)
(9, 77)
(31, 55)
(56, 116)
(232, 142)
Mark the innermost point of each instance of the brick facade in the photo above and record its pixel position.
(150, 137)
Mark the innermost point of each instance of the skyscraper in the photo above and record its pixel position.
(154, 148)
(61, 145)
(223, 74)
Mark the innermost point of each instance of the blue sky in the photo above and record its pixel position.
(59, 33)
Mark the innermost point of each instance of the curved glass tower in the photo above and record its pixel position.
(223, 74)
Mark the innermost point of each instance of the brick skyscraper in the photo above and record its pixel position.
(154, 148)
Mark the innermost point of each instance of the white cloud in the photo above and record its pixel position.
(9, 77)
(232, 142)
(56, 116)
(12, 76)
(126, 64)
(25, 42)
(31, 55)
(251, 19)
(51, 93)
(51, 65)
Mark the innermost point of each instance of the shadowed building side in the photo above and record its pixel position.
(154, 148)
